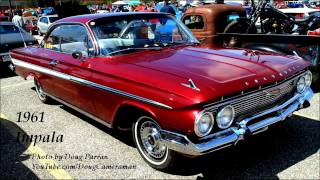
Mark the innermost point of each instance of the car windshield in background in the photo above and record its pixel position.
(316, 13)
(124, 34)
(8, 29)
(53, 19)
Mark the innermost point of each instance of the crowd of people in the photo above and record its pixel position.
(16, 15)
(142, 7)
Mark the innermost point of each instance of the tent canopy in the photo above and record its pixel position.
(119, 3)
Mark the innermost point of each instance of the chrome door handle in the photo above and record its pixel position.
(53, 62)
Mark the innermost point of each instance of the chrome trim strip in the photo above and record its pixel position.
(81, 111)
(4, 54)
(232, 135)
(17, 62)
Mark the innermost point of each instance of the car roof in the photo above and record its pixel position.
(54, 15)
(88, 17)
(6, 23)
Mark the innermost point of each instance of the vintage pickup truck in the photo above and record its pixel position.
(145, 72)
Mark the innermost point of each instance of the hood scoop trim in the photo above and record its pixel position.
(191, 85)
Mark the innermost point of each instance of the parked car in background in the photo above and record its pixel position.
(301, 13)
(12, 37)
(4, 18)
(44, 22)
(201, 100)
(47, 11)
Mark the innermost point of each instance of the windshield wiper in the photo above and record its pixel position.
(130, 49)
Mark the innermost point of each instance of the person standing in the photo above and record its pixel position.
(167, 8)
(17, 19)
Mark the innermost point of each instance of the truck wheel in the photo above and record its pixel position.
(42, 96)
(146, 137)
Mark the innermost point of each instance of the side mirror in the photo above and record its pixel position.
(202, 40)
(77, 55)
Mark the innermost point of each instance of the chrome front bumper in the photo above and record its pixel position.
(232, 135)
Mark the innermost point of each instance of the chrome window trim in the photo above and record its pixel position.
(193, 39)
(44, 70)
(54, 26)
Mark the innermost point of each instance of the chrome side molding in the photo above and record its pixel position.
(64, 76)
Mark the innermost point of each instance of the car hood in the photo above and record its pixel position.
(213, 73)
(15, 38)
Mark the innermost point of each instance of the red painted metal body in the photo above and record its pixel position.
(157, 75)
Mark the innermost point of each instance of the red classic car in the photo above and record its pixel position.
(147, 73)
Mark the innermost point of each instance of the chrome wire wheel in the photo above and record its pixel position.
(148, 140)
(42, 96)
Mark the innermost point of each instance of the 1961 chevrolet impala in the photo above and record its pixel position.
(146, 72)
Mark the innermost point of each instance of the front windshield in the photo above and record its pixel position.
(53, 19)
(124, 34)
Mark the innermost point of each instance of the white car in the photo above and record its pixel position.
(44, 22)
(301, 13)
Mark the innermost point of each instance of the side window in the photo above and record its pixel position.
(232, 16)
(45, 20)
(69, 39)
(194, 22)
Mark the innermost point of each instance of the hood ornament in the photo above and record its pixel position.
(191, 85)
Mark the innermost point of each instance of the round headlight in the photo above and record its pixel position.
(308, 78)
(225, 117)
(203, 124)
(301, 84)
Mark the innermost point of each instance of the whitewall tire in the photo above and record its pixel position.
(147, 140)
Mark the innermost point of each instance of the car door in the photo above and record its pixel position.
(61, 43)
(40, 24)
(45, 24)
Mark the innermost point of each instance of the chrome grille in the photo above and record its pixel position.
(262, 99)
(247, 104)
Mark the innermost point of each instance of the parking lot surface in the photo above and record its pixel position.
(289, 150)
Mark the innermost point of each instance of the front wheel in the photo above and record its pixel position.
(146, 135)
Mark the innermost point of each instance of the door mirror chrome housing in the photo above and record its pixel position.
(77, 55)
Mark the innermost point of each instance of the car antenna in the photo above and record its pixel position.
(24, 42)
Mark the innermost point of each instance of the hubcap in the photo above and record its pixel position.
(150, 139)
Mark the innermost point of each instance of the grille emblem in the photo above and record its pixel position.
(272, 92)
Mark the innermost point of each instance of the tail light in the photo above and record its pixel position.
(299, 15)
